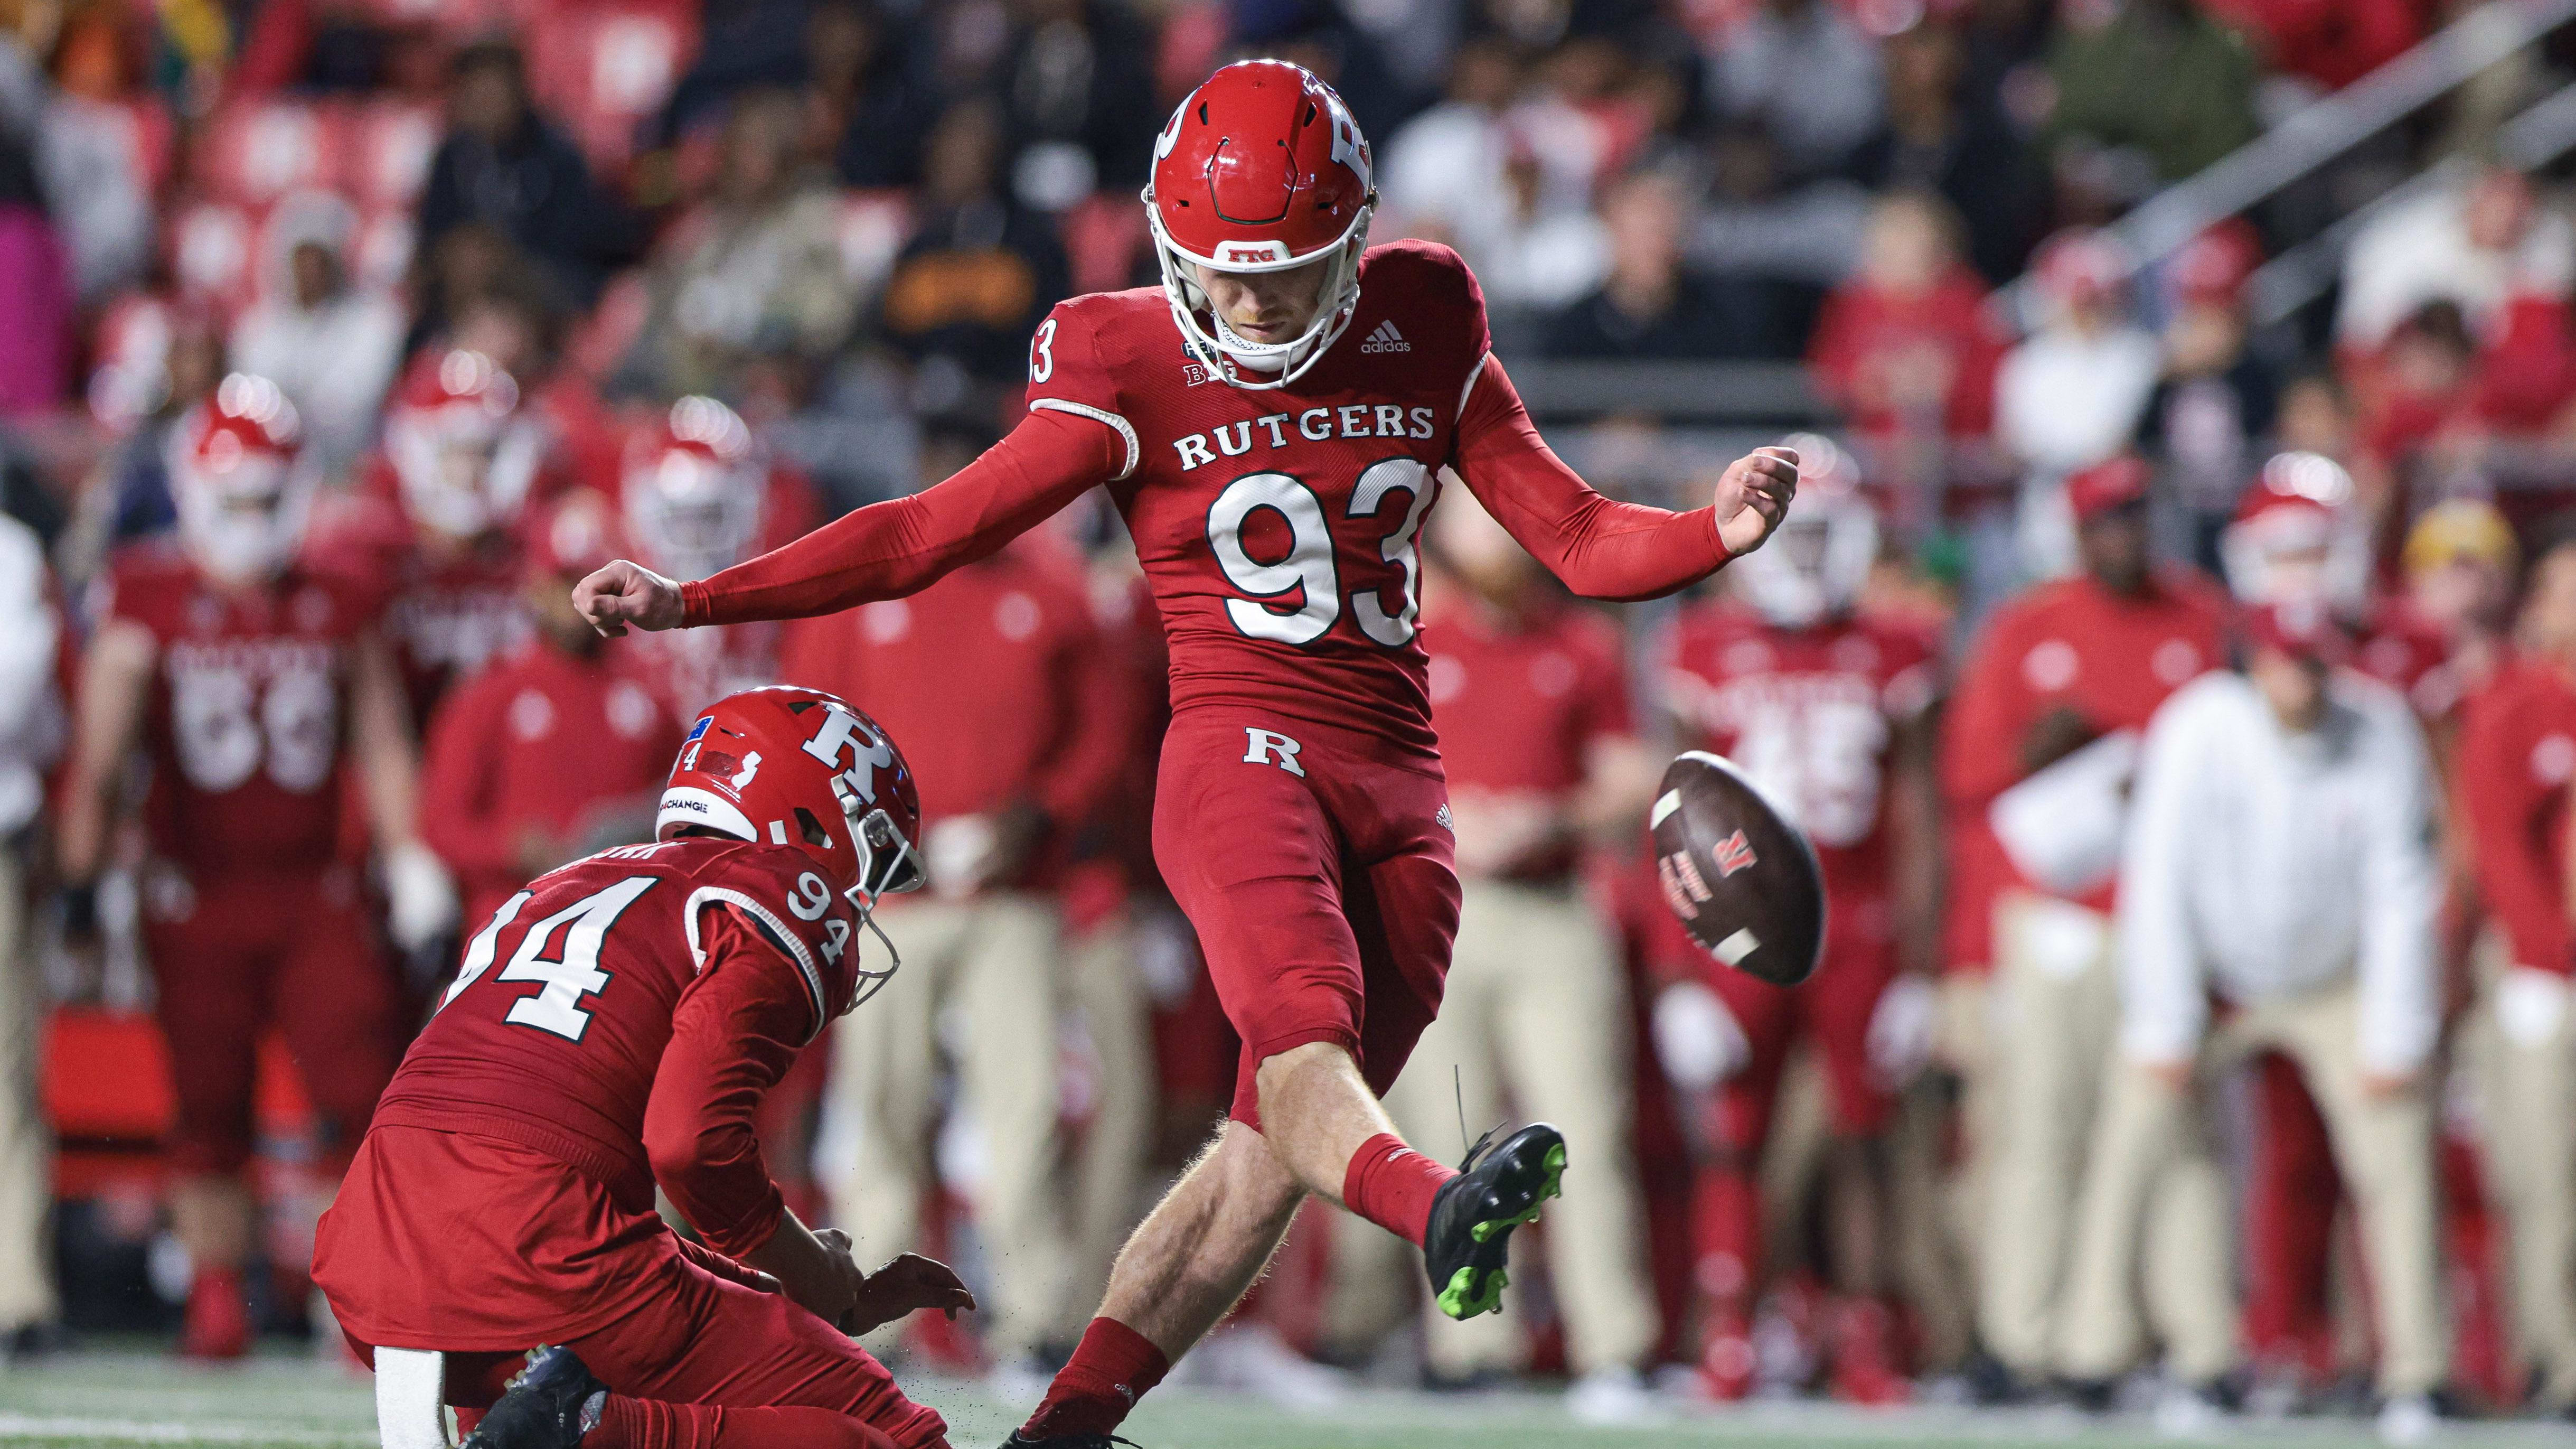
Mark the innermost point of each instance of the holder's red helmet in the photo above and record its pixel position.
(787, 765)
(1261, 170)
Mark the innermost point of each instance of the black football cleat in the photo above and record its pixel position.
(544, 1407)
(1473, 1216)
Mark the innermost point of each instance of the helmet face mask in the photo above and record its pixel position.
(462, 453)
(1220, 199)
(238, 481)
(1814, 567)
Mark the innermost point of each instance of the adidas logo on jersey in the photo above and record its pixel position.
(1386, 339)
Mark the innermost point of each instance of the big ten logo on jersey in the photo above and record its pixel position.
(1315, 425)
(1813, 742)
(239, 704)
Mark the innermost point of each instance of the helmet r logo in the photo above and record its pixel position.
(840, 731)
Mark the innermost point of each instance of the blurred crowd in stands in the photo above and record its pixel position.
(2182, 696)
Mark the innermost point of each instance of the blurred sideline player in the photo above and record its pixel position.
(2082, 661)
(698, 494)
(257, 685)
(2517, 755)
(462, 459)
(1828, 710)
(1531, 697)
(613, 1028)
(559, 748)
(998, 676)
(1273, 424)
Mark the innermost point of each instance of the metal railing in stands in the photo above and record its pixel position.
(1778, 393)
(2318, 133)
(2541, 134)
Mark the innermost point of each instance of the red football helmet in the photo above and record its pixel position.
(2295, 537)
(694, 489)
(795, 766)
(241, 491)
(1260, 170)
(1817, 562)
(462, 451)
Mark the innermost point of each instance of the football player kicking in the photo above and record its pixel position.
(613, 1028)
(1273, 424)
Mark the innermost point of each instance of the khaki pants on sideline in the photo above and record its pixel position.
(26, 1149)
(1534, 1021)
(994, 958)
(1964, 1047)
(2055, 1013)
(2527, 1096)
(1109, 1166)
(2154, 1155)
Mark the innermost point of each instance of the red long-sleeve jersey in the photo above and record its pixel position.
(624, 1015)
(1277, 527)
(2517, 752)
(2076, 645)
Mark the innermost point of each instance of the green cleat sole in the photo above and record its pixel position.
(1465, 1298)
(1553, 1187)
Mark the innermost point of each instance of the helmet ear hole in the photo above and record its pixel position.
(812, 829)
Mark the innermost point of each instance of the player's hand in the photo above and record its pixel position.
(1753, 496)
(830, 1291)
(906, 1285)
(2171, 1073)
(2388, 1086)
(622, 593)
(1697, 1039)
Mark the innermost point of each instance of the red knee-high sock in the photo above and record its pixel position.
(1726, 1237)
(626, 1423)
(1110, 1370)
(2292, 1196)
(1392, 1186)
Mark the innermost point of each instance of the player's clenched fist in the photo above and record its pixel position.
(623, 593)
(1752, 497)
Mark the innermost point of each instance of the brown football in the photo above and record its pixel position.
(1743, 880)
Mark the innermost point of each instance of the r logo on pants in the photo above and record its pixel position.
(1263, 747)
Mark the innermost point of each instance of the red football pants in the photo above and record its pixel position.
(1317, 867)
(718, 1364)
(235, 955)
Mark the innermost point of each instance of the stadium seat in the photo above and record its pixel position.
(603, 70)
(384, 246)
(131, 349)
(210, 252)
(387, 159)
(260, 150)
(411, 1385)
(874, 227)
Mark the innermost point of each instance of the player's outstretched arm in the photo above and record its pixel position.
(1602, 548)
(115, 683)
(885, 550)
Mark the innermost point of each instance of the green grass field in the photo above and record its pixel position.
(104, 1399)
